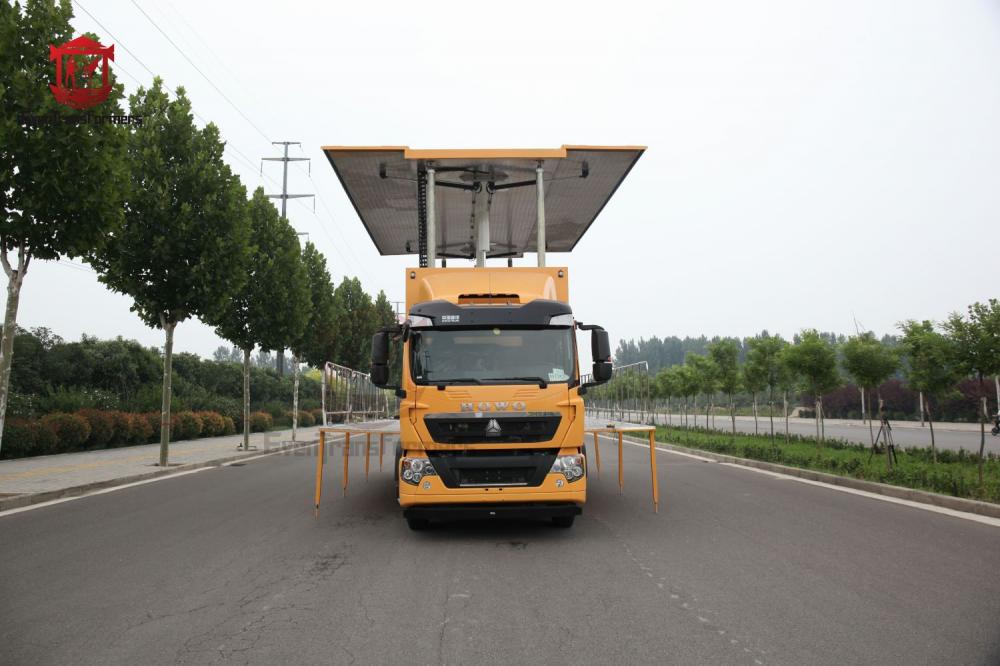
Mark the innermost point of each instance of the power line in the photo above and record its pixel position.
(198, 69)
(117, 41)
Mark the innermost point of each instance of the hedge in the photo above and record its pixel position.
(261, 422)
(88, 429)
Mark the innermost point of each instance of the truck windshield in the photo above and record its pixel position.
(494, 355)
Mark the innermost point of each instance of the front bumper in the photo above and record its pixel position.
(479, 511)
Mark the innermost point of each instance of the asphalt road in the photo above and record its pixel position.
(903, 434)
(739, 567)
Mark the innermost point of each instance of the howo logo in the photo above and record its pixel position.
(516, 406)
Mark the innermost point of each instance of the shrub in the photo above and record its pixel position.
(186, 425)
(142, 431)
(230, 427)
(152, 420)
(305, 419)
(71, 430)
(19, 438)
(122, 423)
(102, 427)
(212, 424)
(45, 439)
(261, 422)
(317, 415)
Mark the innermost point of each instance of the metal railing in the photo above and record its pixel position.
(625, 397)
(349, 395)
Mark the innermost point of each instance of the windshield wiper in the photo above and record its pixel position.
(541, 382)
(441, 383)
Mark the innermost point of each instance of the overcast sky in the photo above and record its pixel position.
(809, 163)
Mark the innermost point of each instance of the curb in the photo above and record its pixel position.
(27, 499)
(899, 492)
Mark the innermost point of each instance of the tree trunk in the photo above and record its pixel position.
(15, 278)
(822, 420)
(889, 453)
(871, 428)
(930, 423)
(295, 395)
(982, 429)
(784, 401)
(168, 355)
(863, 412)
(816, 407)
(246, 399)
(770, 412)
(756, 430)
(732, 412)
(708, 409)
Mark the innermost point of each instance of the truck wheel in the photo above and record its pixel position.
(417, 524)
(563, 521)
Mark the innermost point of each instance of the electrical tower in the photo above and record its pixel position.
(285, 196)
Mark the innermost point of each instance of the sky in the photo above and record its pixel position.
(809, 164)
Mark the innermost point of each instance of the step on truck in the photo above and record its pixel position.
(491, 393)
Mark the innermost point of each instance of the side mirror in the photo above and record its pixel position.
(600, 350)
(380, 359)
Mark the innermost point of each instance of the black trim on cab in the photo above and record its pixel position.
(468, 428)
(449, 315)
(489, 469)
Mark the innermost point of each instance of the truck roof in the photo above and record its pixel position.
(381, 182)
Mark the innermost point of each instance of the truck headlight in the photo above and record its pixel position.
(573, 467)
(414, 469)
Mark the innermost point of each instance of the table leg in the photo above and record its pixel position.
(368, 451)
(652, 468)
(347, 452)
(621, 471)
(319, 468)
(597, 453)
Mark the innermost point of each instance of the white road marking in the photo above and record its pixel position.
(964, 515)
(101, 491)
(111, 489)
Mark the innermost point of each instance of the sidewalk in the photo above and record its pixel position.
(26, 481)
(762, 416)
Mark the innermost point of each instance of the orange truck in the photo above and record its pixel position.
(491, 391)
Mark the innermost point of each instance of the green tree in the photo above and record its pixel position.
(688, 384)
(182, 250)
(870, 363)
(667, 387)
(754, 378)
(764, 361)
(273, 306)
(354, 326)
(725, 355)
(61, 185)
(318, 344)
(704, 381)
(977, 340)
(814, 360)
(786, 380)
(930, 366)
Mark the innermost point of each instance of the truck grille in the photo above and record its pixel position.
(472, 469)
(463, 428)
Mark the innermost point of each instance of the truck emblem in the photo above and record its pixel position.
(493, 427)
(516, 406)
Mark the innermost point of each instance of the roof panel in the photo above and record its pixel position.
(381, 183)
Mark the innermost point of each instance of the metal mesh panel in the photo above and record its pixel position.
(349, 395)
(626, 397)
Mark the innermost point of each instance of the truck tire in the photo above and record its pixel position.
(417, 524)
(563, 521)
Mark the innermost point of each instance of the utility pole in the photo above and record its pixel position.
(285, 196)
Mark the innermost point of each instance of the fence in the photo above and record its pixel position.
(625, 397)
(349, 395)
